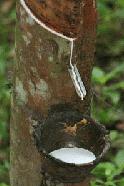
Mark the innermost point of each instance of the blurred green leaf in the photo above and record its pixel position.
(110, 183)
(113, 95)
(3, 131)
(119, 158)
(104, 169)
(3, 184)
(120, 182)
(114, 72)
(98, 75)
(115, 86)
(113, 135)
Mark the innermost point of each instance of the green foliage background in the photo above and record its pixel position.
(107, 81)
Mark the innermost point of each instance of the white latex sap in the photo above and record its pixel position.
(73, 155)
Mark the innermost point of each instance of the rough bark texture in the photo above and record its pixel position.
(42, 81)
(52, 11)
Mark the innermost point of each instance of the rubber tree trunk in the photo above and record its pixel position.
(42, 80)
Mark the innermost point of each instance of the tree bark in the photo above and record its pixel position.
(41, 81)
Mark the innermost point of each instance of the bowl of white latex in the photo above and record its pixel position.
(71, 145)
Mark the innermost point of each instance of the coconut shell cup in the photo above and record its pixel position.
(70, 129)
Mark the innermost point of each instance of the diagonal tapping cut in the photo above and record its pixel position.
(74, 73)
